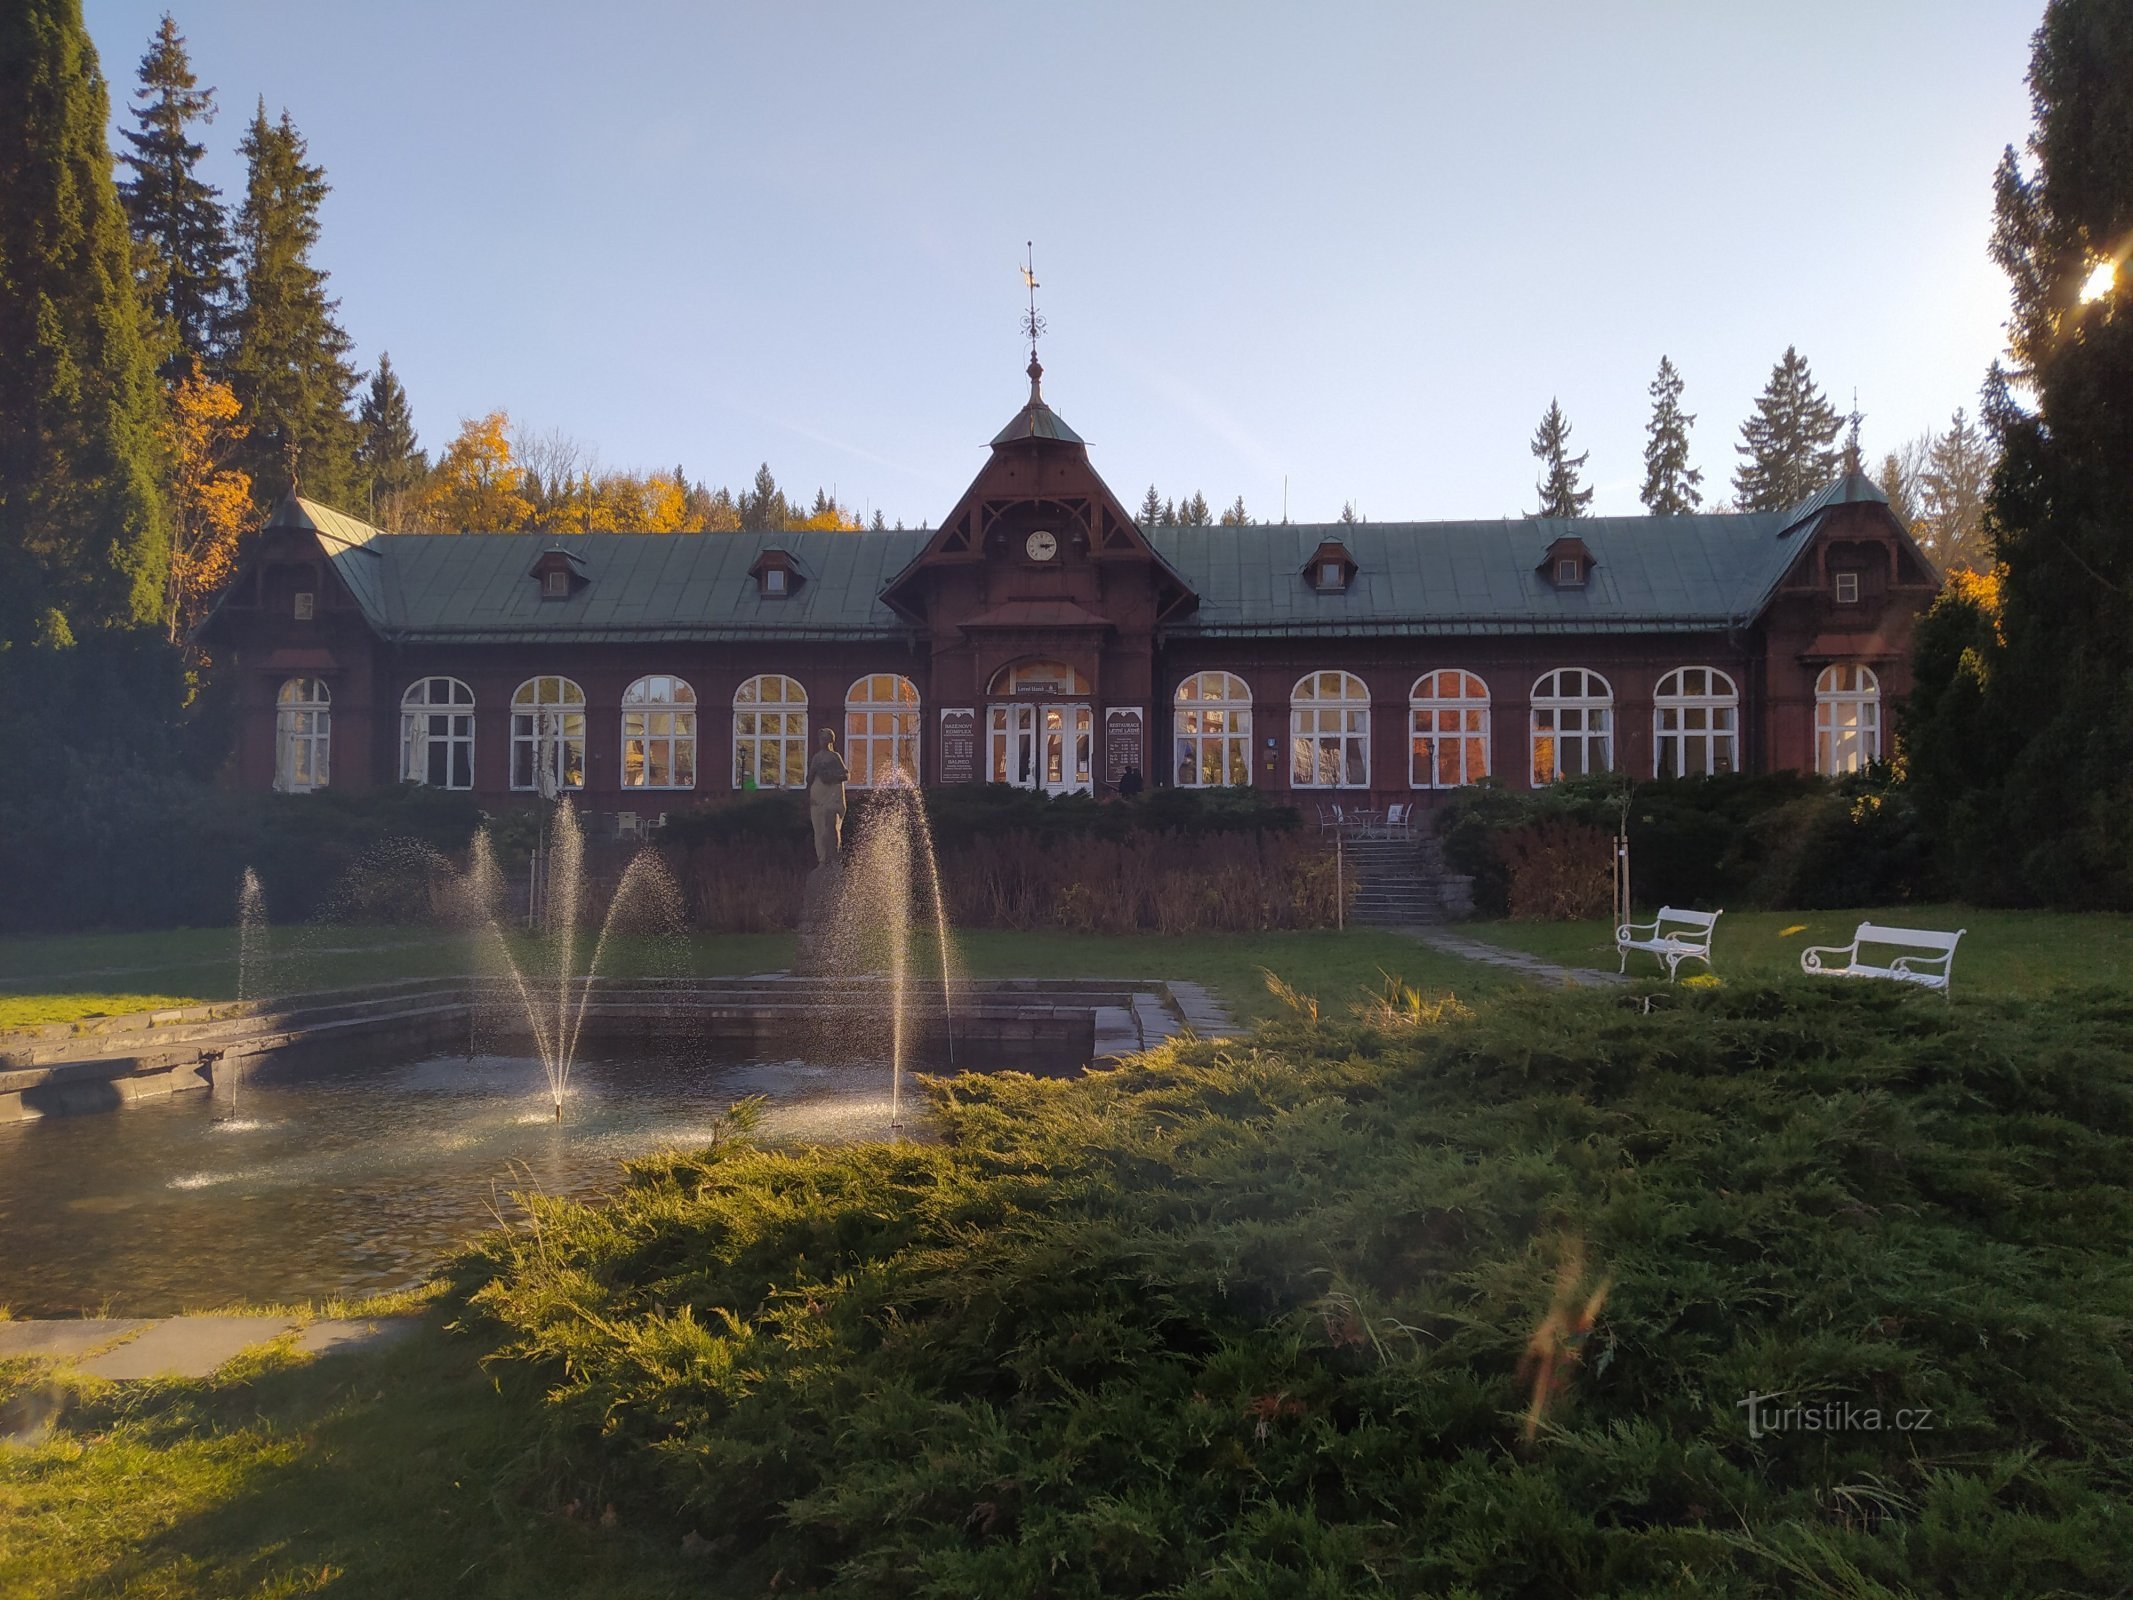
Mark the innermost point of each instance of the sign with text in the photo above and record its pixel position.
(1122, 743)
(959, 745)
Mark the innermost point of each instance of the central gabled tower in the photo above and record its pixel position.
(1040, 565)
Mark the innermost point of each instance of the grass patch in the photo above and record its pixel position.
(403, 1471)
(35, 1010)
(2003, 953)
(1263, 1319)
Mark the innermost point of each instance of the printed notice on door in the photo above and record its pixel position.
(959, 745)
(1122, 742)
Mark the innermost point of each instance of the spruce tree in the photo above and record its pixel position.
(1952, 489)
(1670, 483)
(176, 217)
(1151, 508)
(2057, 709)
(1195, 513)
(1236, 516)
(83, 532)
(388, 460)
(288, 360)
(1790, 442)
(1560, 493)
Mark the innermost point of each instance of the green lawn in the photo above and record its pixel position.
(406, 1471)
(81, 976)
(2002, 953)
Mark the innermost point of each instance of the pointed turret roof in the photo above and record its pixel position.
(1036, 420)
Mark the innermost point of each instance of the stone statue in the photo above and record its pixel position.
(826, 775)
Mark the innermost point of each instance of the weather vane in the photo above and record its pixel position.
(1032, 324)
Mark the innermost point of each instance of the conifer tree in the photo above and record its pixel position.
(1235, 516)
(1195, 513)
(1151, 508)
(1952, 488)
(1168, 516)
(763, 508)
(389, 462)
(1348, 512)
(83, 530)
(880, 524)
(1790, 442)
(1670, 483)
(176, 216)
(1560, 493)
(2052, 726)
(288, 360)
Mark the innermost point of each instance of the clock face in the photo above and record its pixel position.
(1042, 545)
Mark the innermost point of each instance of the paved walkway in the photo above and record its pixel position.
(1495, 955)
(183, 1347)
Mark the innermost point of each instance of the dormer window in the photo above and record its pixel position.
(1567, 563)
(560, 574)
(1331, 568)
(777, 576)
(306, 605)
(1847, 588)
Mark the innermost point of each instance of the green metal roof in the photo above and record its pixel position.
(1704, 572)
(1037, 421)
(478, 587)
(1649, 574)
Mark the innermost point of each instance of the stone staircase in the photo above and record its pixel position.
(1405, 882)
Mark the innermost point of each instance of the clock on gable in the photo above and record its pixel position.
(1042, 545)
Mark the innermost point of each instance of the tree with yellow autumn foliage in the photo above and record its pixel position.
(210, 501)
(477, 487)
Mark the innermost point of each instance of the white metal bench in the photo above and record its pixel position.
(1929, 964)
(1673, 936)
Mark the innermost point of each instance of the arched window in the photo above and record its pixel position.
(437, 734)
(881, 729)
(303, 736)
(1847, 718)
(548, 736)
(1329, 732)
(1695, 724)
(1214, 731)
(659, 734)
(770, 734)
(1573, 725)
(1448, 730)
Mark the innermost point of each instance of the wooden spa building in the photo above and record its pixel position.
(1039, 636)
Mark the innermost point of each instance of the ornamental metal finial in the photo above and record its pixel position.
(1032, 324)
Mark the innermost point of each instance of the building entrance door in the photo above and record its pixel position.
(1049, 746)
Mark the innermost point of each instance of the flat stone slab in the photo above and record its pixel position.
(338, 1335)
(184, 1347)
(62, 1340)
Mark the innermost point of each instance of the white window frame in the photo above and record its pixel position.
(303, 735)
(1846, 580)
(770, 724)
(547, 735)
(305, 608)
(437, 723)
(1329, 731)
(659, 733)
(881, 723)
(1211, 745)
(1436, 718)
(1847, 718)
(1696, 720)
(1570, 717)
(1569, 571)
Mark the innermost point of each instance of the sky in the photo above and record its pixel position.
(1337, 252)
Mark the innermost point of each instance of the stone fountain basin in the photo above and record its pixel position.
(1047, 1024)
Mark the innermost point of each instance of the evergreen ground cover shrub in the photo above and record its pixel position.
(1266, 1317)
(1777, 839)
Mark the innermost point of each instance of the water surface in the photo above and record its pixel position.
(355, 1180)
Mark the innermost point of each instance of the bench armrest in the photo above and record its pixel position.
(1628, 930)
(1811, 958)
